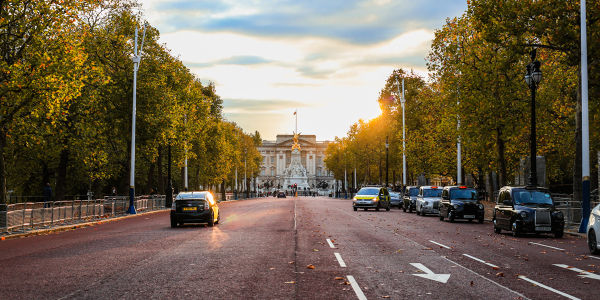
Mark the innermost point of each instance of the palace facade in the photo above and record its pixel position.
(277, 157)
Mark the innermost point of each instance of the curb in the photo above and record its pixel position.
(45, 231)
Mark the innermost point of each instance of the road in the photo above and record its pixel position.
(267, 248)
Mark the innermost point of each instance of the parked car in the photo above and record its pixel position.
(395, 200)
(527, 210)
(194, 207)
(409, 199)
(593, 230)
(371, 197)
(460, 202)
(428, 200)
(281, 194)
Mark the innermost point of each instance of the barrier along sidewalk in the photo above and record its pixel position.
(36, 215)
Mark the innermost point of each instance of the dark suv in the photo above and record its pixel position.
(410, 198)
(527, 210)
(460, 202)
(194, 207)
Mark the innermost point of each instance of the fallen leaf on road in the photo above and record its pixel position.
(290, 281)
(495, 268)
(347, 282)
(386, 296)
(271, 268)
(315, 250)
(339, 278)
(310, 267)
(472, 283)
(499, 274)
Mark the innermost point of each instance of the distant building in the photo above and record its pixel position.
(277, 157)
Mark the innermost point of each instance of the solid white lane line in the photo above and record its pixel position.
(294, 214)
(440, 244)
(559, 249)
(548, 288)
(330, 243)
(340, 260)
(480, 260)
(356, 288)
(596, 257)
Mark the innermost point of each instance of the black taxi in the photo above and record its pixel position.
(527, 210)
(460, 202)
(195, 207)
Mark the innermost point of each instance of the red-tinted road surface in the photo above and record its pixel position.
(263, 247)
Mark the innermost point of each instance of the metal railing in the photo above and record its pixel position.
(31, 215)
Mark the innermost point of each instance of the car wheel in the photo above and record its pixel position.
(404, 208)
(451, 217)
(441, 217)
(365, 209)
(558, 234)
(218, 219)
(410, 209)
(377, 208)
(211, 220)
(592, 242)
(355, 209)
(470, 220)
(515, 229)
(387, 208)
(480, 220)
(496, 229)
(173, 223)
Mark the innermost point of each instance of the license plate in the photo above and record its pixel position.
(543, 228)
(189, 209)
(469, 216)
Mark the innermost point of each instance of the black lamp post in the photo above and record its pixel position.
(387, 146)
(533, 78)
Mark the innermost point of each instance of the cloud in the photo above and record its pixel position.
(251, 106)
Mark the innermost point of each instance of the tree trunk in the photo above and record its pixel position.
(501, 157)
(223, 190)
(161, 179)
(3, 194)
(150, 184)
(577, 166)
(61, 175)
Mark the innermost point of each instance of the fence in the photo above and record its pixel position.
(30, 215)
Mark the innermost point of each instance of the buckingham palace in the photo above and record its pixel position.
(282, 159)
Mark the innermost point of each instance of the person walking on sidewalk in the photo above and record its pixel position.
(47, 194)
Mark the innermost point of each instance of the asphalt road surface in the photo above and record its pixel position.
(296, 248)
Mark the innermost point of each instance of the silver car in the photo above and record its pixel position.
(593, 230)
(428, 200)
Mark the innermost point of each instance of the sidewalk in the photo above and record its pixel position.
(87, 223)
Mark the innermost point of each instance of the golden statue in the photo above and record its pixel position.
(296, 145)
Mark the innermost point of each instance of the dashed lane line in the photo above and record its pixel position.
(596, 257)
(480, 260)
(559, 249)
(359, 293)
(441, 245)
(548, 288)
(339, 259)
(330, 243)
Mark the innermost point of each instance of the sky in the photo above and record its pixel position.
(327, 59)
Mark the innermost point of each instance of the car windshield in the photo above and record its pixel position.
(368, 191)
(413, 192)
(394, 195)
(191, 196)
(532, 197)
(432, 193)
(463, 194)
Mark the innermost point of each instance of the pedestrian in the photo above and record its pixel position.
(114, 191)
(47, 194)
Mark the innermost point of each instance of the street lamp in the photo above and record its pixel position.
(402, 100)
(387, 146)
(533, 78)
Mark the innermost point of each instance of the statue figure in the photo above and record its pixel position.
(296, 145)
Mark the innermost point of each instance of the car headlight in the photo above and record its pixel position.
(456, 206)
(523, 214)
(375, 199)
(426, 203)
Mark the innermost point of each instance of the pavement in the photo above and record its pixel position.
(296, 248)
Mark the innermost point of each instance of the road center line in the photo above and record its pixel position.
(330, 243)
(294, 214)
(340, 260)
(356, 288)
(548, 288)
(440, 244)
(559, 249)
(480, 260)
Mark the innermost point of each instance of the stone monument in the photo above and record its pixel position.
(295, 173)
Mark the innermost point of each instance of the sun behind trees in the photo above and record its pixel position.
(65, 105)
(479, 58)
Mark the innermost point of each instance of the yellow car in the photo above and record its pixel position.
(371, 197)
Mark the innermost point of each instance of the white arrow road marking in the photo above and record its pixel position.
(443, 278)
(582, 273)
(548, 288)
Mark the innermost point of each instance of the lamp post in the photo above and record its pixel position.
(402, 100)
(533, 78)
(585, 134)
(387, 146)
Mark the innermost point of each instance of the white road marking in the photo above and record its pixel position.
(596, 257)
(548, 288)
(582, 273)
(443, 278)
(547, 246)
(485, 278)
(330, 243)
(440, 244)
(340, 260)
(294, 214)
(480, 260)
(359, 293)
